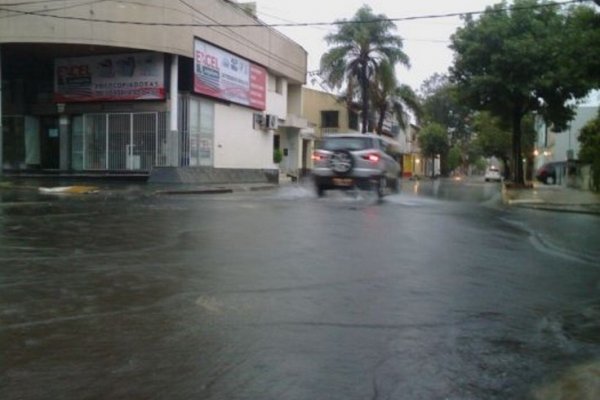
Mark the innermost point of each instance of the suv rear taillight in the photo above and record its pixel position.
(373, 157)
(316, 156)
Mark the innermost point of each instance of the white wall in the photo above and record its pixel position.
(237, 144)
(294, 100)
(290, 141)
(276, 102)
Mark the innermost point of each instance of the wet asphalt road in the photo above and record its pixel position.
(439, 292)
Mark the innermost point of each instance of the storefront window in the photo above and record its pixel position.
(201, 132)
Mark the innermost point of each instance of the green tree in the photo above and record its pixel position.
(388, 95)
(523, 58)
(589, 137)
(454, 158)
(474, 155)
(359, 47)
(493, 139)
(442, 105)
(433, 139)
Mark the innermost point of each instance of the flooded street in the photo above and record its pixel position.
(438, 292)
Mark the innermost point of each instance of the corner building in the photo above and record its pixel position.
(178, 91)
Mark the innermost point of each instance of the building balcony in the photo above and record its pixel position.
(294, 121)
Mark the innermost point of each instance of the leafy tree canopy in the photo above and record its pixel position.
(442, 105)
(433, 140)
(493, 139)
(454, 158)
(532, 56)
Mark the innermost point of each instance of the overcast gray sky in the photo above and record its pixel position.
(425, 41)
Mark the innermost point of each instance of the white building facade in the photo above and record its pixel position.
(140, 87)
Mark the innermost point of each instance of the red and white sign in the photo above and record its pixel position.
(117, 77)
(223, 75)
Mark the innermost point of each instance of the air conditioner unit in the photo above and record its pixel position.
(271, 121)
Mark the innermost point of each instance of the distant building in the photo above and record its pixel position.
(328, 113)
(133, 87)
(564, 145)
(413, 163)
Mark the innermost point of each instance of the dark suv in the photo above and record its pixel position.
(354, 160)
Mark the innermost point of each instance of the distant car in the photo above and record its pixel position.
(492, 174)
(549, 173)
(354, 160)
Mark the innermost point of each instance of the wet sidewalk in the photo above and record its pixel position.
(542, 197)
(553, 198)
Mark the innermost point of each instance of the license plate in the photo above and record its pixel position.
(343, 181)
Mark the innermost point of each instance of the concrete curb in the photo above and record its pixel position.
(217, 190)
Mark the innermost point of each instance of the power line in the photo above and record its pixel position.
(42, 13)
(284, 20)
(295, 24)
(17, 12)
(429, 16)
(27, 3)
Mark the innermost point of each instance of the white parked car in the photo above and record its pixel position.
(492, 174)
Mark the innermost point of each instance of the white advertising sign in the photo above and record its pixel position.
(117, 77)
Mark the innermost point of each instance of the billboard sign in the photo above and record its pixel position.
(223, 75)
(118, 77)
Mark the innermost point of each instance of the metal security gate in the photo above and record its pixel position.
(128, 141)
(119, 141)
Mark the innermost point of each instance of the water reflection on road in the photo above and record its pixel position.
(433, 293)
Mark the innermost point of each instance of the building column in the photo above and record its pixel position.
(173, 142)
(65, 142)
(1, 128)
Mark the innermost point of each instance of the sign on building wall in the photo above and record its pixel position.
(117, 77)
(223, 75)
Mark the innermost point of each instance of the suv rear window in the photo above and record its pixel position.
(345, 143)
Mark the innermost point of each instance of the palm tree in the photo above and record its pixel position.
(359, 47)
(387, 95)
